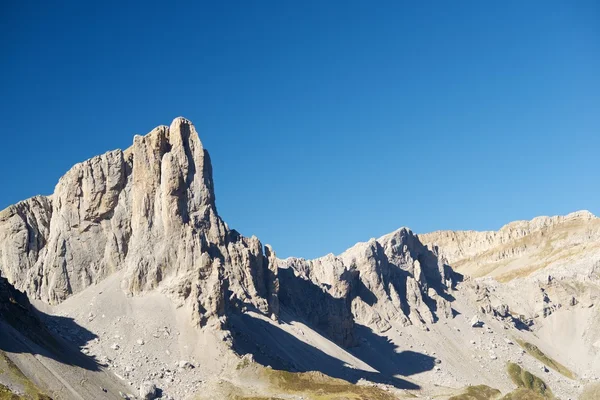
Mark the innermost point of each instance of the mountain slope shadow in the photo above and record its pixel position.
(271, 345)
(313, 305)
(380, 353)
(23, 329)
(65, 350)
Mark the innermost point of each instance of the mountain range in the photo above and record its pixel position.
(126, 283)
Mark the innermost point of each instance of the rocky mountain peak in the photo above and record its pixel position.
(148, 213)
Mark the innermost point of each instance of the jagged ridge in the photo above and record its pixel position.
(385, 282)
(150, 211)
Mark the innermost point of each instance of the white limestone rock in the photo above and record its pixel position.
(150, 211)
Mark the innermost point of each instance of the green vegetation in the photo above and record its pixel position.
(524, 394)
(32, 392)
(269, 384)
(317, 386)
(530, 387)
(479, 392)
(535, 352)
(6, 394)
(307, 385)
(526, 380)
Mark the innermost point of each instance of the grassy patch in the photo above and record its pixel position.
(317, 386)
(479, 392)
(524, 394)
(535, 352)
(526, 380)
(32, 392)
(255, 382)
(6, 394)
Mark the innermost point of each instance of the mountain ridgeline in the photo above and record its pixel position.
(149, 211)
(131, 282)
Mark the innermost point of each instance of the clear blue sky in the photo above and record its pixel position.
(328, 122)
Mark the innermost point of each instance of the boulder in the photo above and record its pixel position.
(148, 391)
(185, 364)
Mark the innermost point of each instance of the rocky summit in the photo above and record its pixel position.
(126, 283)
(149, 211)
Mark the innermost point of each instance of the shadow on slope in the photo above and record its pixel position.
(38, 341)
(380, 353)
(25, 330)
(313, 305)
(271, 345)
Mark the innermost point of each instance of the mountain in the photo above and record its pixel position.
(148, 211)
(394, 281)
(143, 290)
(520, 248)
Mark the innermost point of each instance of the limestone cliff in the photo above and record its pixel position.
(150, 211)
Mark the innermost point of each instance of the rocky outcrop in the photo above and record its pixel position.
(385, 282)
(24, 231)
(149, 211)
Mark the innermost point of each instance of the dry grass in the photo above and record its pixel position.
(548, 245)
(535, 352)
(479, 392)
(317, 386)
(255, 382)
(6, 394)
(548, 257)
(520, 273)
(591, 392)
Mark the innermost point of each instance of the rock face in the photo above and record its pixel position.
(24, 231)
(149, 211)
(385, 282)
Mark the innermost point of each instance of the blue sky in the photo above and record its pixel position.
(327, 122)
